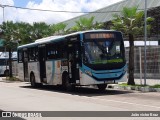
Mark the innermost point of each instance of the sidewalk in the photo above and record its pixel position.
(149, 82)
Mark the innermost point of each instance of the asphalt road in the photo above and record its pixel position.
(20, 96)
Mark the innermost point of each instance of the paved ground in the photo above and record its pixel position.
(20, 96)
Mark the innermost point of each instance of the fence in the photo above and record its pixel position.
(152, 59)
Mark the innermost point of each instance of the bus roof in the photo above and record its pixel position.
(28, 45)
(57, 38)
(42, 40)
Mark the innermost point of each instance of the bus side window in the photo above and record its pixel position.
(56, 50)
(33, 54)
(63, 50)
(30, 54)
(36, 54)
(20, 56)
(51, 51)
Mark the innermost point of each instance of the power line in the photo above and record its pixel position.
(63, 11)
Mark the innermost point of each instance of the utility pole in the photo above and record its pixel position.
(145, 40)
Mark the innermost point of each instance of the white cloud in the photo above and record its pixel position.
(55, 5)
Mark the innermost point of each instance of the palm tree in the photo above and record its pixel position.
(131, 23)
(86, 24)
(8, 29)
(83, 24)
(40, 30)
(23, 32)
(59, 28)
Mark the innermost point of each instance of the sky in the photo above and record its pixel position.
(19, 15)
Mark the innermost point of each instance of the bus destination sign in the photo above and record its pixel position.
(99, 35)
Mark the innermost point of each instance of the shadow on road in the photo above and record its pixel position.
(81, 91)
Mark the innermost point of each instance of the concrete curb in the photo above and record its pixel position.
(136, 88)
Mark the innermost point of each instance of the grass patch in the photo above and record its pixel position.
(12, 79)
(155, 86)
(125, 84)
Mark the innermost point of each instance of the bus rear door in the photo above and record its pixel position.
(42, 62)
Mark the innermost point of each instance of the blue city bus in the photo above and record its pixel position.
(95, 57)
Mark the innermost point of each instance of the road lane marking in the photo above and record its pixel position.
(124, 102)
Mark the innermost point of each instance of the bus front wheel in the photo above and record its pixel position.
(102, 87)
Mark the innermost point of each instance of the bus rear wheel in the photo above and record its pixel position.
(102, 87)
(33, 82)
(66, 83)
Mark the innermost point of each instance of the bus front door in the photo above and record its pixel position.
(42, 63)
(73, 59)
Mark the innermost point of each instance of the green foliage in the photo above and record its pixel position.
(26, 33)
(130, 21)
(9, 34)
(59, 28)
(40, 30)
(151, 86)
(125, 84)
(86, 24)
(156, 86)
(12, 79)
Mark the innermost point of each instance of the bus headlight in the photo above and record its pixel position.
(88, 72)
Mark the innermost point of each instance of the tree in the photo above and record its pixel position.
(40, 30)
(23, 32)
(8, 30)
(86, 24)
(83, 24)
(12, 33)
(59, 28)
(131, 23)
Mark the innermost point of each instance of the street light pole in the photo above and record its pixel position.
(145, 40)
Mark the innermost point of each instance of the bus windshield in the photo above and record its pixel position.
(103, 51)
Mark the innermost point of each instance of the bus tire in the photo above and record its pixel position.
(102, 87)
(33, 82)
(66, 84)
(6, 73)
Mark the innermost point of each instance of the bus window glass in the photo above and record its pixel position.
(56, 51)
(33, 54)
(51, 51)
(20, 56)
